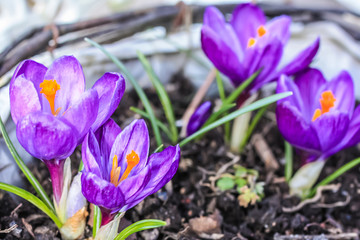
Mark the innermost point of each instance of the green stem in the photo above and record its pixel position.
(335, 175)
(32, 199)
(28, 174)
(137, 88)
(288, 161)
(252, 126)
(97, 220)
(222, 95)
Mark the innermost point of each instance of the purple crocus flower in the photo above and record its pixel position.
(319, 117)
(118, 174)
(53, 112)
(248, 43)
(198, 118)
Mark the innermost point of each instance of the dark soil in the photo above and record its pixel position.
(195, 209)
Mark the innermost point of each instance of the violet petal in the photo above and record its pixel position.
(134, 137)
(82, 114)
(45, 136)
(110, 88)
(246, 18)
(68, 73)
(198, 118)
(101, 192)
(23, 98)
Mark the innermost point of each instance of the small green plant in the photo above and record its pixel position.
(244, 180)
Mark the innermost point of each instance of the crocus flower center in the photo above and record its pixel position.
(49, 89)
(261, 31)
(132, 160)
(327, 102)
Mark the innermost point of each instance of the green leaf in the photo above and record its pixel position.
(256, 105)
(97, 220)
(229, 100)
(137, 88)
(240, 171)
(28, 174)
(145, 115)
(259, 188)
(32, 199)
(343, 169)
(240, 182)
(139, 226)
(225, 183)
(288, 161)
(252, 126)
(163, 96)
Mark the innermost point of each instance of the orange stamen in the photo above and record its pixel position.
(132, 160)
(251, 42)
(327, 102)
(261, 31)
(115, 172)
(49, 89)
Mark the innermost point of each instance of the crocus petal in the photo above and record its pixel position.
(110, 88)
(45, 136)
(267, 61)
(310, 84)
(302, 60)
(133, 137)
(33, 71)
(163, 167)
(342, 86)
(353, 133)
(75, 199)
(106, 136)
(279, 28)
(295, 129)
(91, 156)
(101, 192)
(85, 110)
(221, 55)
(23, 98)
(199, 117)
(68, 73)
(246, 19)
(286, 84)
(216, 21)
(133, 186)
(331, 127)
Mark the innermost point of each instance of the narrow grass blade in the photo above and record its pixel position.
(163, 96)
(222, 95)
(139, 226)
(28, 174)
(288, 161)
(236, 93)
(335, 175)
(32, 199)
(220, 86)
(162, 126)
(256, 105)
(159, 148)
(252, 126)
(233, 96)
(97, 220)
(137, 88)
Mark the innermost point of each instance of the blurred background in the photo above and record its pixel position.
(168, 36)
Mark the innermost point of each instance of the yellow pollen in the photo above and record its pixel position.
(261, 31)
(327, 102)
(49, 89)
(115, 172)
(132, 160)
(251, 42)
